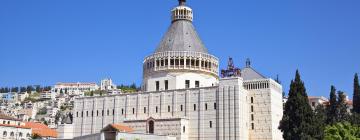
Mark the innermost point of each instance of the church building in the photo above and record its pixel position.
(184, 94)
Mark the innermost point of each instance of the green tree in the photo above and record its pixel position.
(331, 109)
(35, 136)
(342, 131)
(356, 96)
(297, 120)
(319, 121)
(342, 113)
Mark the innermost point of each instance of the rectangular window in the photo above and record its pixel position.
(168, 108)
(252, 108)
(108, 113)
(252, 126)
(92, 113)
(197, 84)
(252, 117)
(252, 99)
(122, 111)
(87, 113)
(97, 112)
(77, 114)
(187, 83)
(181, 107)
(157, 85)
(210, 124)
(113, 111)
(194, 107)
(215, 106)
(156, 109)
(133, 110)
(166, 84)
(205, 106)
(144, 109)
(102, 113)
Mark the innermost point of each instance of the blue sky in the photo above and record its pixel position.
(48, 41)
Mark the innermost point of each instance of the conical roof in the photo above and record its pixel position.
(181, 35)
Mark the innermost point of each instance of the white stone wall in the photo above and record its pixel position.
(176, 80)
(193, 108)
(14, 133)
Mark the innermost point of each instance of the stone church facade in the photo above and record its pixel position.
(184, 96)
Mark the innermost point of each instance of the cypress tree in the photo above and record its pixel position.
(356, 96)
(331, 109)
(342, 114)
(297, 120)
(319, 122)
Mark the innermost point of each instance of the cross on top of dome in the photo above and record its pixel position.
(182, 2)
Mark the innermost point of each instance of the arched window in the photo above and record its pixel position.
(151, 127)
(8, 122)
(28, 135)
(4, 134)
(20, 134)
(12, 134)
(183, 129)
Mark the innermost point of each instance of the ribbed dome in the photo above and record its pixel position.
(181, 36)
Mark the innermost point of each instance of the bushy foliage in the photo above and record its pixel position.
(342, 131)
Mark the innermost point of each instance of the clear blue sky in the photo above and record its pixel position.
(48, 41)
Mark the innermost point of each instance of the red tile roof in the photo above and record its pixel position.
(120, 128)
(41, 129)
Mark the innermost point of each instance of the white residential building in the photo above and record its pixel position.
(184, 97)
(13, 129)
(107, 84)
(75, 88)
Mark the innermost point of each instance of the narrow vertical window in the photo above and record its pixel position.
(252, 99)
(102, 113)
(252, 126)
(144, 110)
(197, 84)
(205, 106)
(183, 129)
(113, 111)
(187, 83)
(87, 113)
(122, 111)
(168, 108)
(210, 124)
(77, 115)
(156, 109)
(133, 110)
(97, 112)
(252, 108)
(194, 107)
(157, 85)
(215, 106)
(181, 107)
(92, 113)
(82, 114)
(252, 117)
(166, 84)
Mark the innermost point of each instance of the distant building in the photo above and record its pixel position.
(47, 95)
(8, 96)
(13, 129)
(75, 88)
(107, 84)
(314, 101)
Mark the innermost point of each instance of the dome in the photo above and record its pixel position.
(181, 36)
